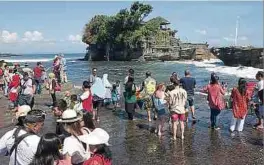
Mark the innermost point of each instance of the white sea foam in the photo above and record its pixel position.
(216, 65)
(246, 72)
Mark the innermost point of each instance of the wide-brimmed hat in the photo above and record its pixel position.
(70, 116)
(22, 111)
(96, 137)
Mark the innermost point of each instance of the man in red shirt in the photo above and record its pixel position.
(37, 77)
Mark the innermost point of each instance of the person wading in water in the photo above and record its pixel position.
(188, 83)
(148, 88)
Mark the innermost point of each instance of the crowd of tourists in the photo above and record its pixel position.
(77, 141)
(173, 102)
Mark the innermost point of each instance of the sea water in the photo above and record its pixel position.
(79, 71)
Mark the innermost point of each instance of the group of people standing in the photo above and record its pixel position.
(80, 143)
(174, 101)
(20, 84)
(76, 140)
(166, 102)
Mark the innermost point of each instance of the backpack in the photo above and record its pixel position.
(17, 141)
(150, 86)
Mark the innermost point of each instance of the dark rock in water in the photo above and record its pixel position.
(236, 56)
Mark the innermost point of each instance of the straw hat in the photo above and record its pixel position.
(69, 116)
(97, 136)
(22, 111)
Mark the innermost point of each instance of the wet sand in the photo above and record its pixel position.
(134, 143)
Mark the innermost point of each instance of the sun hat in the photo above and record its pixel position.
(97, 136)
(69, 116)
(22, 111)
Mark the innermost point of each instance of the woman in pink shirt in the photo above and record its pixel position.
(216, 101)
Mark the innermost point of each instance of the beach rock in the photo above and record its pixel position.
(236, 56)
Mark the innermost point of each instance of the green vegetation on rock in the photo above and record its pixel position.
(123, 32)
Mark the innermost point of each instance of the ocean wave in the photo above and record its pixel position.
(216, 65)
(246, 72)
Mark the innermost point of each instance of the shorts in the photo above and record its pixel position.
(161, 112)
(148, 103)
(189, 102)
(176, 117)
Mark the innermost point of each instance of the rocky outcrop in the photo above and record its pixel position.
(235, 56)
(162, 46)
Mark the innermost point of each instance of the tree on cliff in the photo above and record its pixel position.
(121, 32)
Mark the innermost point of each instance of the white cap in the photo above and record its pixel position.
(97, 136)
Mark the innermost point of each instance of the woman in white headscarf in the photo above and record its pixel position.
(107, 86)
(98, 92)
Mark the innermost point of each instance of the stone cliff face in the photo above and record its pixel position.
(235, 56)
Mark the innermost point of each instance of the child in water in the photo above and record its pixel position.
(159, 103)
